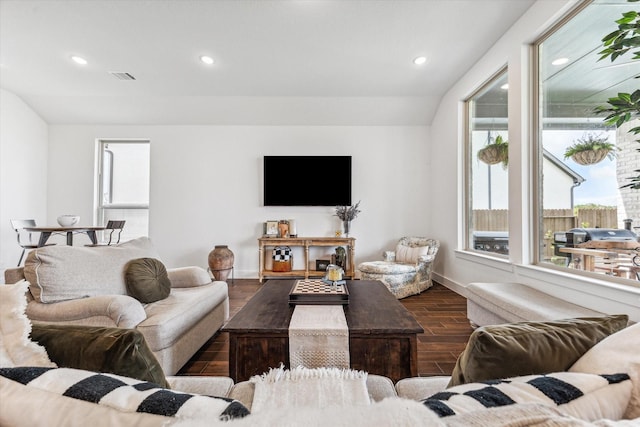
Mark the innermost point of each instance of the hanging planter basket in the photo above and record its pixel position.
(493, 154)
(590, 157)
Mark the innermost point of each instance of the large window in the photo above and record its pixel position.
(123, 185)
(584, 214)
(487, 164)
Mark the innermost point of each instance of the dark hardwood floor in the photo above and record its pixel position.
(441, 312)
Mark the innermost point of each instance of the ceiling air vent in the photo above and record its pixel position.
(122, 75)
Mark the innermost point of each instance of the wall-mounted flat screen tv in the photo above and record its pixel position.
(307, 181)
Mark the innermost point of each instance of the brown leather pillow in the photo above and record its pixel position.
(147, 280)
(101, 349)
(527, 348)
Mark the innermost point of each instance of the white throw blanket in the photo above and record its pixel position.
(313, 388)
(319, 337)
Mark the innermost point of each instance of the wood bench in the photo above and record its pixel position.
(495, 303)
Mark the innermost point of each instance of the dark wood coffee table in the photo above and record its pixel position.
(382, 333)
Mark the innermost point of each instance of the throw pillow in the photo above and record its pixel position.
(410, 255)
(618, 352)
(316, 387)
(585, 396)
(62, 272)
(16, 349)
(125, 394)
(147, 280)
(525, 348)
(101, 349)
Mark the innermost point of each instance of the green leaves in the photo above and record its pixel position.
(624, 39)
(621, 109)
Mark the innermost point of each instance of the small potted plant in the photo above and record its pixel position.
(495, 152)
(590, 149)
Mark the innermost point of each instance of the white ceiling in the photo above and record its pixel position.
(277, 61)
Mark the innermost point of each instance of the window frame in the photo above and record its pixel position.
(537, 155)
(469, 154)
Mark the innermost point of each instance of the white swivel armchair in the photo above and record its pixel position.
(408, 272)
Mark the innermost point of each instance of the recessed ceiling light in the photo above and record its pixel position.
(505, 86)
(420, 60)
(560, 61)
(206, 59)
(79, 60)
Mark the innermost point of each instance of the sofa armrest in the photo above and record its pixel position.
(426, 259)
(418, 388)
(111, 350)
(13, 275)
(187, 277)
(120, 311)
(210, 386)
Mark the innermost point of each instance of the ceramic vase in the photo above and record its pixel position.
(221, 262)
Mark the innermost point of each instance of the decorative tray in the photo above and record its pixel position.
(318, 292)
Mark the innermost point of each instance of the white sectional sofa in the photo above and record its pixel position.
(87, 286)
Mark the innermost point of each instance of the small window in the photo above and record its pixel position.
(123, 190)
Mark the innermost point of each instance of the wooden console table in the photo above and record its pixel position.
(306, 243)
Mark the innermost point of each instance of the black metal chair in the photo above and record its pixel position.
(112, 227)
(19, 226)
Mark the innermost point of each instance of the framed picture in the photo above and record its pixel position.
(271, 228)
(322, 264)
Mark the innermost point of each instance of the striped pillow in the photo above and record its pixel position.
(586, 396)
(125, 394)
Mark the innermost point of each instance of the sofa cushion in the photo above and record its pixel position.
(617, 352)
(386, 268)
(530, 347)
(16, 349)
(168, 319)
(147, 280)
(379, 387)
(585, 396)
(124, 394)
(111, 350)
(61, 272)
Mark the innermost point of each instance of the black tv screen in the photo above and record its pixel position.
(307, 181)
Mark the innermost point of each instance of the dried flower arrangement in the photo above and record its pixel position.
(347, 213)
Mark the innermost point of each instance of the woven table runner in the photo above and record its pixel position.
(319, 337)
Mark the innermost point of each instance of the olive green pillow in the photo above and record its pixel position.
(101, 349)
(147, 280)
(528, 348)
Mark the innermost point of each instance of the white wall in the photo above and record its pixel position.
(206, 184)
(457, 269)
(23, 171)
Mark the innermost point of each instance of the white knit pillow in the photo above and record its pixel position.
(309, 387)
(16, 349)
(411, 255)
